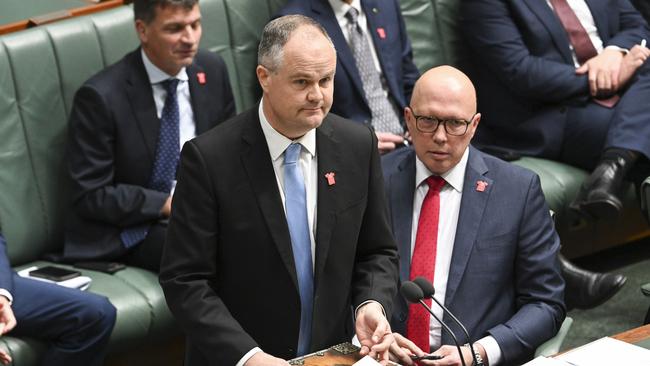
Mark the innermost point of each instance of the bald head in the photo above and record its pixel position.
(446, 85)
(442, 117)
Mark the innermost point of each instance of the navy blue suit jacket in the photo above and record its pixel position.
(524, 71)
(112, 147)
(394, 53)
(504, 279)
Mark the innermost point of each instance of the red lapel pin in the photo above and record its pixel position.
(200, 76)
(330, 178)
(481, 185)
(381, 32)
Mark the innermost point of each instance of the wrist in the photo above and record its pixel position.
(479, 354)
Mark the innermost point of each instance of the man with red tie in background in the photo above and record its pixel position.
(476, 227)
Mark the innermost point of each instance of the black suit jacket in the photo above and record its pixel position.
(112, 146)
(228, 271)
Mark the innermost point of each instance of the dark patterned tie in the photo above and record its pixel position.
(384, 114)
(166, 161)
(423, 261)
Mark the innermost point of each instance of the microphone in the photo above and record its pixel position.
(413, 294)
(428, 291)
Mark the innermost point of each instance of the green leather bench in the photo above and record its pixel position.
(40, 70)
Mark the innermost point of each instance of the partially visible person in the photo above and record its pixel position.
(476, 227)
(75, 325)
(375, 71)
(567, 81)
(127, 126)
(280, 232)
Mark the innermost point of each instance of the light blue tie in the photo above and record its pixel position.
(166, 160)
(296, 204)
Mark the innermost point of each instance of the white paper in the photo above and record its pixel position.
(367, 361)
(80, 282)
(607, 352)
(544, 361)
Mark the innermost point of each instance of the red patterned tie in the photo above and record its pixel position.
(582, 45)
(424, 260)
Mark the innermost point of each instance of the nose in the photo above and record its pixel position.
(315, 94)
(439, 135)
(189, 35)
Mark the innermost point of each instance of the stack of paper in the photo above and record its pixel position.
(607, 352)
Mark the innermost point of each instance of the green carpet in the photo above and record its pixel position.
(627, 309)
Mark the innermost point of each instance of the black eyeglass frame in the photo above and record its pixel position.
(443, 121)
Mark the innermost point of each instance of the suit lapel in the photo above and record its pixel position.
(553, 25)
(199, 98)
(138, 89)
(327, 153)
(401, 188)
(324, 14)
(257, 163)
(472, 207)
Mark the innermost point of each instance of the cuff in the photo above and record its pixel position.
(247, 356)
(7, 294)
(492, 350)
(617, 48)
(383, 311)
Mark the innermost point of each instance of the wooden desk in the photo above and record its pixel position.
(634, 335)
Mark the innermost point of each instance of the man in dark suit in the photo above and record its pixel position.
(565, 81)
(76, 325)
(127, 125)
(476, 227)
(376, 94)
(280, 228)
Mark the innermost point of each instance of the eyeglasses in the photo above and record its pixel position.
(429, 124)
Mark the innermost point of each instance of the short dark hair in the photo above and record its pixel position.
(145, 10)
(277, 33)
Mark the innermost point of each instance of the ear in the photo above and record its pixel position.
(263, 77)
(141, 30)
(410, 119)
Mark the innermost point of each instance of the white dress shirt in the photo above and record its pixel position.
(587, 20)
(450, 197)
(277, 144)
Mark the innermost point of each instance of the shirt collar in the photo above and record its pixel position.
(156, 75)
(277, 142)
(455, 176)
(341, 8)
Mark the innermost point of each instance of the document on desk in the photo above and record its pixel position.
(606, 352)
(545, 361)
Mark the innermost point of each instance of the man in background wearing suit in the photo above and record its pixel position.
(280, 232)
(567, 81)
(475, 226)
(375, 71)
(76, 325)
(127, 125)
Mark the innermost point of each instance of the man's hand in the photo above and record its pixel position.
(604, 72)
(7, 318)
(402, 349)
(631, 62)
(166, 210)
(5, 359)
(388, 141)
(450, 357)
(373, 331)
(265, 359)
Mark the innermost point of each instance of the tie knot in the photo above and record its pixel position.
(170, 85)
(435, 183)
(292, 153)
(352, 15)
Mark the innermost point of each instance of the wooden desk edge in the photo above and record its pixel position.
(634, 335)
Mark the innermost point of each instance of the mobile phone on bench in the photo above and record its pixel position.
(56, 274)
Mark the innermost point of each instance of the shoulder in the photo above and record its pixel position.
(294, 7)
(227, 135)
(345, 130)
(114, 75)
(507, 173)
(391, 162)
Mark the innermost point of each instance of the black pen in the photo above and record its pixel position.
(426, 357)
